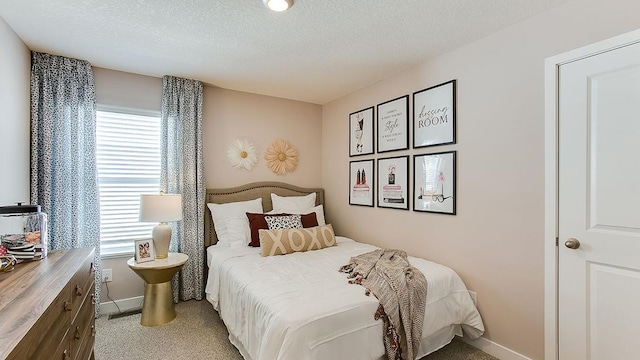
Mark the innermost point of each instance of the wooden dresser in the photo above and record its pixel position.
(47, 308)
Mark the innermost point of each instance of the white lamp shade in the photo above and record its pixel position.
(160, 207)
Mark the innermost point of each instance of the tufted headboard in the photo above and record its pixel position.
(249, 192)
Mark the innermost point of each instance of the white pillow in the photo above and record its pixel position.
(293, 202)
(231, 222)
(236, 229)
(319, 210)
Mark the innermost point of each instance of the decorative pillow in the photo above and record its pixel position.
(294, 202)
(221, 213)
(284, 222)
(257, 222)
(319, 210)
(280, 242)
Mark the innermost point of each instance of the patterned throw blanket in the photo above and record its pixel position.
(402, 292)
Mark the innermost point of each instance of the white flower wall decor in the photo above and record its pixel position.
(281, 157)
(242, 154)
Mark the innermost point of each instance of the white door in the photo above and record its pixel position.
(599, 206)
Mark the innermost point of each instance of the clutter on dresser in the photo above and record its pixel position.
(23, 234)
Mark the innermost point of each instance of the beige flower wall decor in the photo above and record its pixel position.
(281, 157)
(242, 154)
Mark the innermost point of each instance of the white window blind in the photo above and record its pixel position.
(128, 161)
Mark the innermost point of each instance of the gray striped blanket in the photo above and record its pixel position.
(401, 290)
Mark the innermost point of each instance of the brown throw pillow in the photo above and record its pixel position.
(280, 242)
(257, 222)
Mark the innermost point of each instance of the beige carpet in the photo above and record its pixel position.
(198, 333)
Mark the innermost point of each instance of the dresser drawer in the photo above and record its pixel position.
(63, 352)
(86, 349)
(81, 327)
(81, 283)
(50, 329)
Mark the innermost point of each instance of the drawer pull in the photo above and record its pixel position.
(67, 306)
(91, 269)
(66, 354)
(78, 290)
(77, 334)
(93, 330)
(93, 299)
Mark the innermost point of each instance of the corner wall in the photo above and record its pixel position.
(495, 242)
(227, 115)
(15, 75)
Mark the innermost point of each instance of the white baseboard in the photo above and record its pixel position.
(124, 305)
(495, 349)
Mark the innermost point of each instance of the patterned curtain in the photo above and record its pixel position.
(64, 180)
(182, 172)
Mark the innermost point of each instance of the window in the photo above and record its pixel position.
(128, 161)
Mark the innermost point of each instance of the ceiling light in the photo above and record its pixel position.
(278, 5)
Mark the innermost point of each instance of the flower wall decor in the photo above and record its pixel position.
(281, 157)
(242, 154)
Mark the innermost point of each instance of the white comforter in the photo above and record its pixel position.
(298, 306)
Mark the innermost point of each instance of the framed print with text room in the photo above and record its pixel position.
(434, 115)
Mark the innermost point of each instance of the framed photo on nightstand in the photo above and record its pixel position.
(144, 250)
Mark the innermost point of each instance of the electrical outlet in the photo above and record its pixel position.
(474, 297)
(107, 275)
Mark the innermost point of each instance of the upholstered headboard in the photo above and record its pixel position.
(249, 192)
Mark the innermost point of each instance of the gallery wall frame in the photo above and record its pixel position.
(392, 124)
(434, 115)
(393, 182)
(361, 136)
(434, 183)
(362, 182)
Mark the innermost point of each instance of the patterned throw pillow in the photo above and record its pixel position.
(280, 242)
(284, 222)
(257, 222)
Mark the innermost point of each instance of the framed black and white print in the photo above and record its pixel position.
(434, 115)
(393, 182)
(361, 132)
(361, 183)
(393, 125)
(434, 183)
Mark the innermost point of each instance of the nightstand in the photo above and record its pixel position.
(158, 307)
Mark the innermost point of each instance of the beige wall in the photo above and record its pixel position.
(127, 91)
(495, 242)
(227, 115)
(15, 69)
(230, 115)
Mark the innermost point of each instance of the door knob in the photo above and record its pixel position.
(572, 243)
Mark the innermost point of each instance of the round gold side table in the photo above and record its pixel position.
(158, 307)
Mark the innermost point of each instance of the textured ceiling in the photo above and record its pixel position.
(317, 51)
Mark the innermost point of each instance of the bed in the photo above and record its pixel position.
(298, 306)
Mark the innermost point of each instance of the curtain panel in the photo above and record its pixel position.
(64, 179)
(182, 172)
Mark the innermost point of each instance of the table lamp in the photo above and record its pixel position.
(161, 208)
